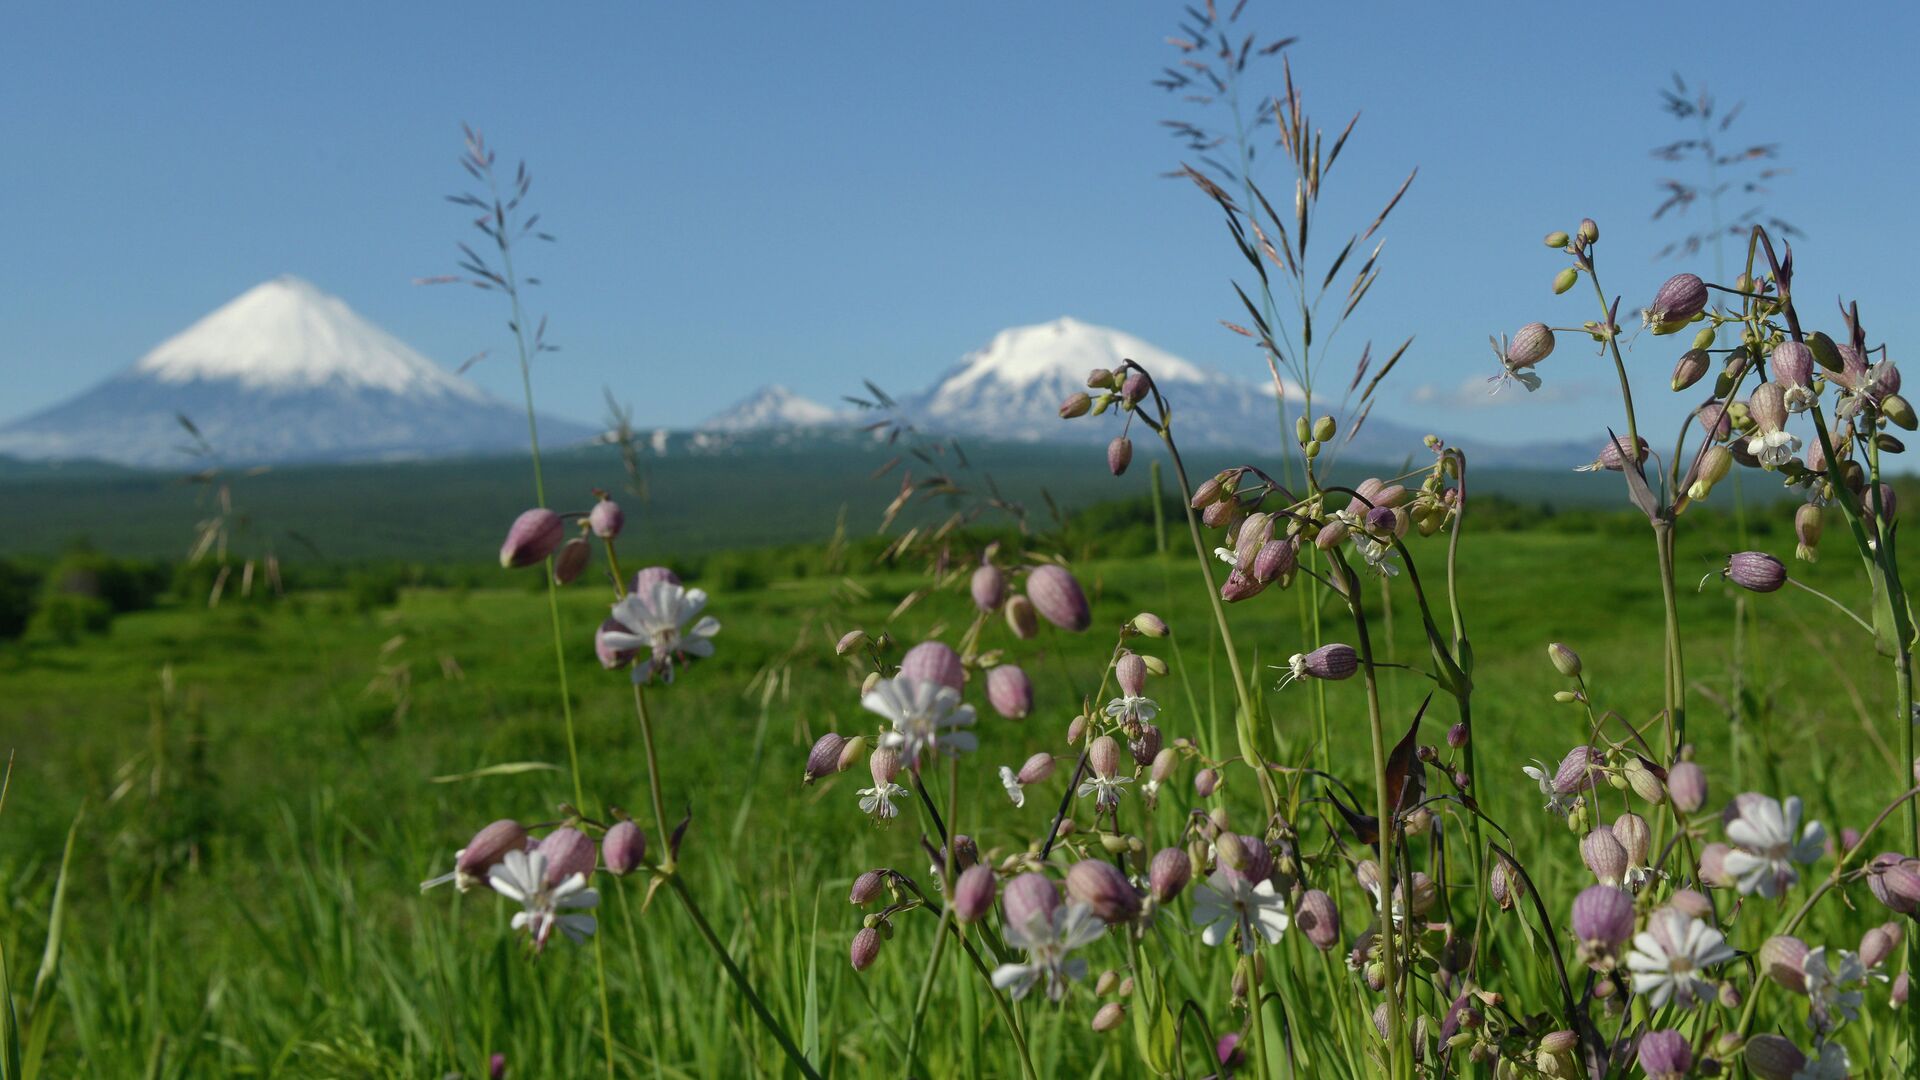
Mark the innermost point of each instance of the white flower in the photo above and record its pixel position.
(1669, 956)
(1047, 942)
(1377, 553)
(1775, 448)
(1830, 1063)
(1228, 902)
(1834, 983)
(877, 802)
(1542, 773)
(1130, 711)
(1016, 791)
(1764, 846)
(925, 716)
(523, 877)
(1106, 790)
(663, 618)
(1800, 398)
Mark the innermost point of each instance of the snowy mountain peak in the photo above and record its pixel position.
(1023, 356)
(288, 335)
(772, 407)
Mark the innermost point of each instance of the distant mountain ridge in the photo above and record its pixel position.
(282, 373)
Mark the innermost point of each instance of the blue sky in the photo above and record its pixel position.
(814, 194)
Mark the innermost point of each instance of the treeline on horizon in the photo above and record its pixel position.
(78, 591)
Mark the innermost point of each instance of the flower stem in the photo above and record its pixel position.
(668, 855)
(740, 980)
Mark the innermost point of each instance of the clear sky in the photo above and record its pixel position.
(813, 194)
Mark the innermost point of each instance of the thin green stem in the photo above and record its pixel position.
(740, 980)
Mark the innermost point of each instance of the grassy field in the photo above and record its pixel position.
(254, 793)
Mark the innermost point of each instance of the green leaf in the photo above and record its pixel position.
(508, 768)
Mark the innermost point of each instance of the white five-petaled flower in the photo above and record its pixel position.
(663, 618)
(1106, 790)
(1774, 448)
(1670, 956)
(1048, 941)
(522, 876)
(1016, 791)
(1129, 710)
(1834, 987)
(1542, 773)
(926, 716)
(1764, 845)
(1227, 902)
(1377, 553)
(1800, 398)
(877, 802)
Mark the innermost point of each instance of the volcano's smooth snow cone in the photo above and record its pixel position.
(282, 373)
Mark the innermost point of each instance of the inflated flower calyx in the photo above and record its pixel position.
(1101, 886)
(1021, 617)
(623, 848)
(1076, 406)
(973, 893)
(1715, 463)
(1807, 525)
(1119, 454)
(1057, 596)
(1168, 874)
(1565, 660)
(1755, 571)
(1565, 280)
(1010, 692)
(606, 518)
(1690, 369)
(988, 587)
(1530, 344)
(533, 536)
(1558, 239)
(1678, 302)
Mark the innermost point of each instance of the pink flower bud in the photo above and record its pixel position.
(1010, 692)
(1678, 301)
(1604, 855)
(824, 759)
(1334, 661)
(1131, 672)
(1058, 599)
(934, 662)
(1029, 899)
(533, 536)
(1603, 918)
(605, 519)
(1150, 625)
(572, 560)
(1691, 367)
(866, 948)
(489, 846)
(645, 580)
(1240, 586)
(973, 893)
(1713, 865)
(1899, 994)
(884, 764)
(1457, 736)
(1531, 344)
(1879, 944)
(1119, 454)
(1755, 571)
(1894, 880)
(1076, 405)
(1101, 886)
(1021, 618)
(1767, 406)
(1610, 455)
(1134, 389)
(1108, 1016)
(1037, 768)
(568, 852)
(1687, 786)
(1168, 874)
(1146, 747)
(1783, 959)
(1792, 364)
(1576, 770)
(1773, 1057)
(1635, 837)
(1103, 757)
(989, 587)
(1319, 919)
(1714, 420)
(1665, 1055)
(1275, 560)
(1205, 782)
(866, 888)
(623, 848)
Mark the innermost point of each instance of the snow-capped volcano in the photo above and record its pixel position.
(283, 372)
(1012, 388)
(773, 408)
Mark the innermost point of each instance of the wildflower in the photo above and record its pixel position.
(1806, 532)
(1010, 692)
(1119, 454)
(926, 717)
(606, 518)
(988, 587)
(1687, 785)
(865, 948)
(1168, 874)
(1683, 297)
(1770, 442)
(1326, 662)
(1669, 958)
(571, 562)
(1038, 923)
(934, 662)
(1132, 708)
(1558, 804)
(1602, 921)
(973, 893)
(1319, 919)
(1834, 981)
(623, 848)
(663, 618)
(1021, 618)
(1792, 364)
(1377, 553)
(1894, 880)
(1665, 1055)
(533, 536)
(1016, 791)
(1689, 369)
(1611, 455)
(866, 888)
(1531, 344)
(1765, 848)
(522, 876)
(877, 801)
(1230, 902)
(824, 758)
(1058, 598)
(1773, 1057)
(488, 847)
(1105, 785)
(1101, 886)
